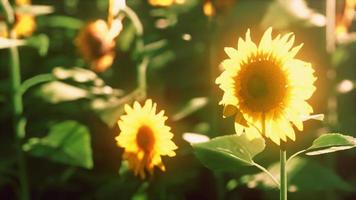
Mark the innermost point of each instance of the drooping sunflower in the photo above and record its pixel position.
(96, 40)
(96, 45)
(266, 87)
(145, 138)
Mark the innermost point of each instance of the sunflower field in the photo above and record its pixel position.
(178, 99)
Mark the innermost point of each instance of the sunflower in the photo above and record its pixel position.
(25, 24)
(266, 87)
(145, 138)
(165, 3)
(96, 40)
(96, 45)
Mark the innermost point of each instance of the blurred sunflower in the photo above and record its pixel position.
(96, 41)
(208, 8)
(145, 138)
(165, 3)
(266, 87)
(345, 17)
(25, 24)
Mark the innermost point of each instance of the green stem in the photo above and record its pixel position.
(16, 103)
(18, 121)
(283, 159)
(142, 68)
(295, 155)
(141, 76)
(135, 20)
(27, 84)
(268, 173)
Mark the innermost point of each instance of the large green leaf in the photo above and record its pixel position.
(331, 142)
(68, 142)
(303, 174)
(228, 152)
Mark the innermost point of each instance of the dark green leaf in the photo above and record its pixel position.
(68, 142)
(61, 22)
(228, 152)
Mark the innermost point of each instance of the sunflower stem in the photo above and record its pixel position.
(283, 172)
(16, 102)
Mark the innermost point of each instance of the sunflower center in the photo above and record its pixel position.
(260, 85)
(145, 138)
(257, 86)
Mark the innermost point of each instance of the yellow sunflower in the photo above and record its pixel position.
(25, 24)
(145, 138)
(165, 3)
(266, 87)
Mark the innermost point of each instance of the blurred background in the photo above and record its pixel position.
(182, 46)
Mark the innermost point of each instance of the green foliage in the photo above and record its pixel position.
(67, 142)
(229, 152)
(61, 22)
(180, 74)
(39, 42)
(303, 174)
(190, 107)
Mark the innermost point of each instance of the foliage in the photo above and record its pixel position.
(172, 55)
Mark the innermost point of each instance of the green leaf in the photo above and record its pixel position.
(56, 92)
(34, 10)
(60, 21)
(68, 142)
(77, 74)
(127, 37)
(228, 152)
(192, 106)
(110, 110)
(40, 42)
(331, 142)
(162, 59)
(283, 14)
(303, 175)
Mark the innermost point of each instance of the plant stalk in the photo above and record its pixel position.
(283, 172)
(16, 103)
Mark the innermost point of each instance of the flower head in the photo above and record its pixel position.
(165, 3)
(24, 25)
(145, 138)
(96, 45)
(266, 87)
(96, 41)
